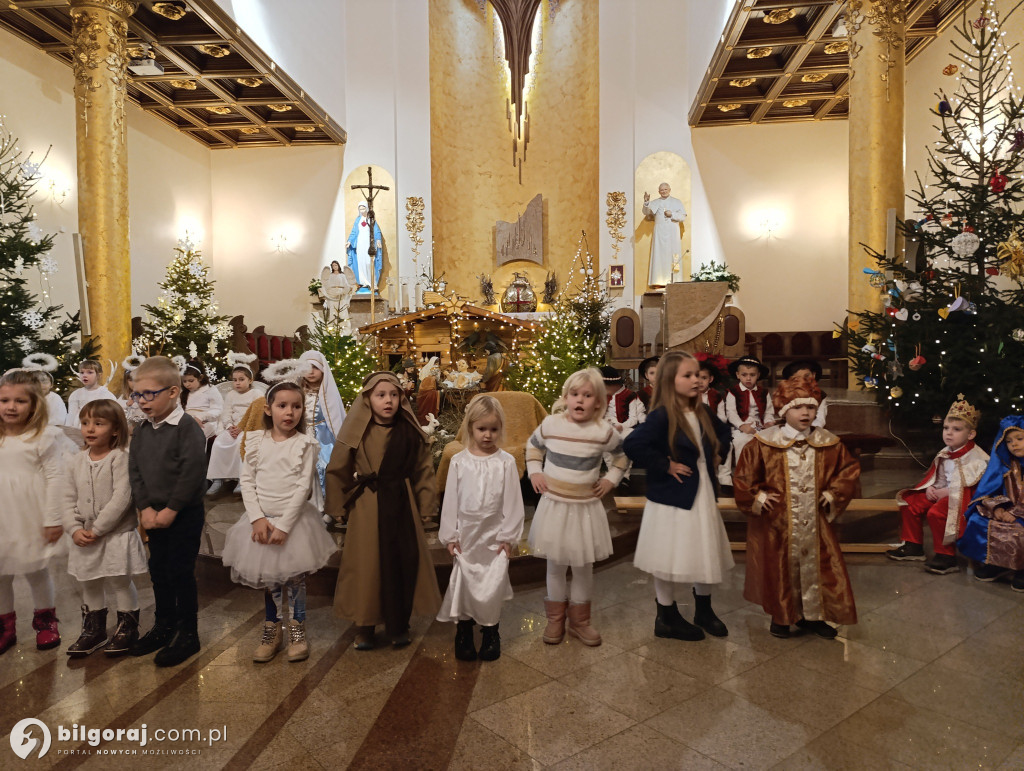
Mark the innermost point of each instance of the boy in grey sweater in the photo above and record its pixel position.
(167, 468)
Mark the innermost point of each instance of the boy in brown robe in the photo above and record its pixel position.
(792, 482)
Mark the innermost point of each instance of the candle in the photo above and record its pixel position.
(419, 296)
(405, 295)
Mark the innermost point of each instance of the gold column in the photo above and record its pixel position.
(877, 63)
(99, 48)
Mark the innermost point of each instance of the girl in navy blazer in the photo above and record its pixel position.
(682, 537)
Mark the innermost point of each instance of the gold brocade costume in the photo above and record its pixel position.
(795, 568)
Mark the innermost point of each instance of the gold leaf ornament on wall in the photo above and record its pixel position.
(414, 223)
(280, 107)
(172, 11)
(729, 107)
(742, 82)
(761, 52)
(814, 77)
(616, 220)
(794, 103)
(837, 47)
(249, 82)
(779, 16)
(183, 85)
(219, 109)
(216, 51)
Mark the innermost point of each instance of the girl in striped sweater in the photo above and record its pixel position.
(570, 527)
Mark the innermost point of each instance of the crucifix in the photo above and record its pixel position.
(369, 191)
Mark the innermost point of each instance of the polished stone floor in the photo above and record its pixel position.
(932, 677)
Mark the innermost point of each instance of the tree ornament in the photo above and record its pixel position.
(947, 220)
(965, 244)
(1017, 143)
(998, 182)
(902, 314)
(895, 392)
(916, 316)
(917, 362)
(1010, 254)
(950, 69)
(870, 382)
(1017, 335)
(943, 108)
(980, 22)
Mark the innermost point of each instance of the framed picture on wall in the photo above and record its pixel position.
(616, 276)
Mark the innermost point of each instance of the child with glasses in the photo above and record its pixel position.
(167, 469)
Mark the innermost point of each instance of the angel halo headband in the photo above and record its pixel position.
(237, 360)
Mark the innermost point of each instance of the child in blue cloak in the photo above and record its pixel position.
(994, 535)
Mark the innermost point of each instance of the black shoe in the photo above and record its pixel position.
(94, 633)
(490, 647)
(126, 634)
(465, 650)
(985, 572)
(670, 624)
(153, 640)
(401, 640)
(364, 638)
(941, 564)
(779, 630)
(705, 617)
(1017, 583)
(820, 628)
(184, 645)
(907, 551)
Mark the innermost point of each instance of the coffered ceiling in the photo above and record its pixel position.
(217, 86)
(781, 61)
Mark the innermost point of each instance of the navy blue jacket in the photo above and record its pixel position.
(647, 447)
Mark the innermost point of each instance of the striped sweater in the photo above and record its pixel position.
(569, 454)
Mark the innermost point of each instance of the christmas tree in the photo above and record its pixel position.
(953, 320)
(350, 359)
(184, 320)
(574, 337)
(29, 324)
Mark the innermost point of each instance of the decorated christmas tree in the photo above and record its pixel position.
(29, 324)
(350, 359)
(574, 336)
(953, 320)
(184, 320)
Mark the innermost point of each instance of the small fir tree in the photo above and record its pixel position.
(184, 320)
(30, 324)
(954, 322)
(575, 336)
(349, 358)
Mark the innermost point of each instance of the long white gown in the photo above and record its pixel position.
(482, 509)
(225, 457)
(665, 244)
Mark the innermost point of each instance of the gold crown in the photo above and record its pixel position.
(961, 410)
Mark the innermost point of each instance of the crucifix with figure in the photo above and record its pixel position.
(369, 191)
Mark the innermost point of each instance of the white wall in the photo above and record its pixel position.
(169, 173)
(258, 195)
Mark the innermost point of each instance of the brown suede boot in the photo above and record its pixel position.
(555, 611)
(579, 624)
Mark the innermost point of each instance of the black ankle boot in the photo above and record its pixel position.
(153, 640)
(705, 617)
(126, 634)
(465, 650)
(184, 645)
(670, 623)
(94, 633)
(490, 647)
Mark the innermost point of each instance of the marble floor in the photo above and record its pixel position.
(931, 677)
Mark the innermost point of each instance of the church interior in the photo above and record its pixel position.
(443, 189)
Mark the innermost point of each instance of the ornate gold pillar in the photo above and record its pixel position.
(99, 48)
(877, 31)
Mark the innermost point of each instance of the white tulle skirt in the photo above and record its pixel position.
(685, 545)
(225, 457)
(261, 566)
(570, 533)
(117, 554)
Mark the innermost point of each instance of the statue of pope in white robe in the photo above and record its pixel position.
(667, 212)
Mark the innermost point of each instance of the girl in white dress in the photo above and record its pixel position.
(201, 400)
(55, 407)
(132, 410)
(481, 521)
(103, 525)
(682, 537)
(225, 455)
(30, 457)
(570, 527)
(279, 538)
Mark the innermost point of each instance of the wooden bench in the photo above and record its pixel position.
(634, 506)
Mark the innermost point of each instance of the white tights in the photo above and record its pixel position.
(39, 582)
(119, 588)
(582, 583)
(668, 591)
